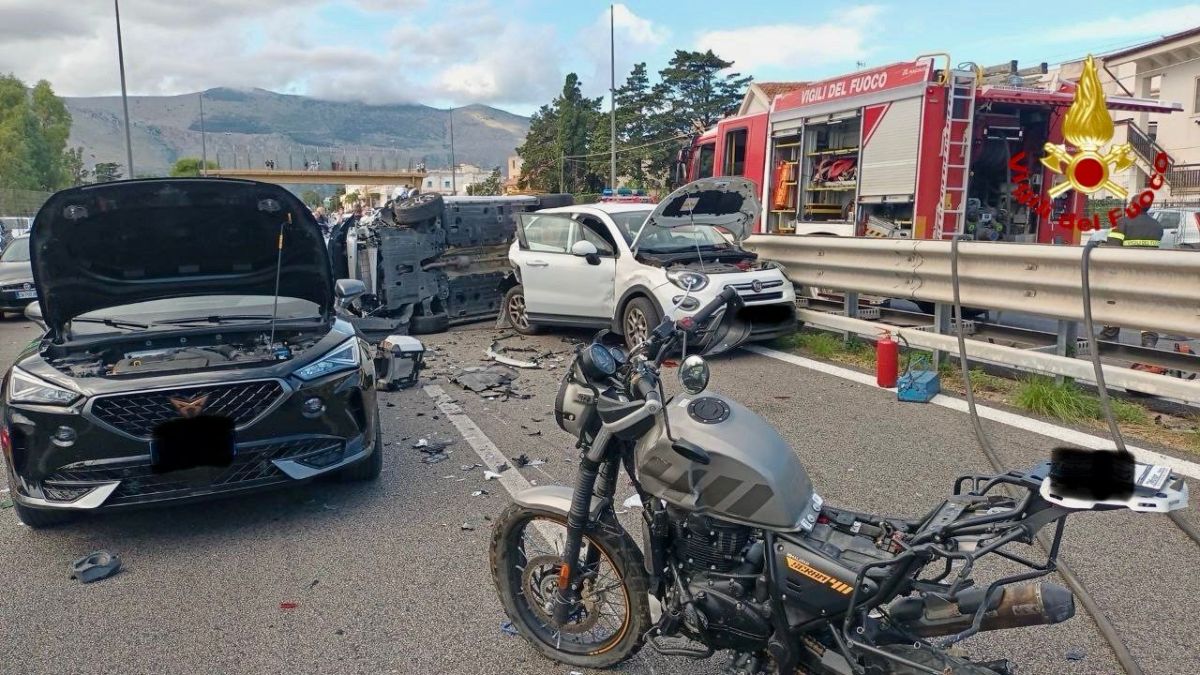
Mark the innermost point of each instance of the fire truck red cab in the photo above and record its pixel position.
(876, 151)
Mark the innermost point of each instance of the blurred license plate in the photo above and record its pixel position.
(26, 295)
(189, 443)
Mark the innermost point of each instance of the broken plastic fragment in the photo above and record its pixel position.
(634, 502)
(467, 527)
(490, 475)
(95, 566)
(480, 493)
(508, 628)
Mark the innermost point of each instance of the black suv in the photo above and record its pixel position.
(191, 350)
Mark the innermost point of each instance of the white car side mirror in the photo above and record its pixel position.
(584, 248)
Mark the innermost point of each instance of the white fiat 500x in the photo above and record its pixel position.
(624, 266)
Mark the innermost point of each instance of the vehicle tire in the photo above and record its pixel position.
(424, 207)
(521, 579)
(369, 468)
(40, 519)
(514, 311)
(433, 323)
(640, 317)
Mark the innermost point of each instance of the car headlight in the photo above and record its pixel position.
(342, 357)
(25, 388)
(772, 265)
(688, 280)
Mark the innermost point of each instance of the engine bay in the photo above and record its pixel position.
(171, 354)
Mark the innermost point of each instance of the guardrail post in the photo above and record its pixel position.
(941, 325)
(850, 306)
(1064, 341)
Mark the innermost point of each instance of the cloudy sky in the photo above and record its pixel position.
(514, 53)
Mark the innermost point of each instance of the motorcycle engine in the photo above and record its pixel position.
(722, 562)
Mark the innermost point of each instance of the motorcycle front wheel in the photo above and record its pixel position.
(607, 623)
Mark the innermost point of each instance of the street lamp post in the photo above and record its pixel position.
(124, 95)
(453, 166)
(203, 143)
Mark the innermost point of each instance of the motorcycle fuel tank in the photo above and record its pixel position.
(753, 476)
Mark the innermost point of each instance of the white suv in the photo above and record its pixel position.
(624, 266)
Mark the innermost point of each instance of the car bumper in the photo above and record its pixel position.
(9, 302)
(106, 469)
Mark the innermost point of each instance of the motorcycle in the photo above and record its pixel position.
(738, 551)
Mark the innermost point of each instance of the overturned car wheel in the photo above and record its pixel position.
(418, 209)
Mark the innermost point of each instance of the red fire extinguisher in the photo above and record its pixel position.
(887, 361)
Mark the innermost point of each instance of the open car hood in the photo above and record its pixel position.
(725, 202)
(118, 243)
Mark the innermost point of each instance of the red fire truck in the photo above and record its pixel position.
(905, 150)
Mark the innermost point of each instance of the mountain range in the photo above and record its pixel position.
(268, 125)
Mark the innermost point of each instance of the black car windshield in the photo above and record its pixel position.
(169, 312)
(629, 222)
(16, 251)
(671, 239)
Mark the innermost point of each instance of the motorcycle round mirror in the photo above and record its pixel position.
(693, 374)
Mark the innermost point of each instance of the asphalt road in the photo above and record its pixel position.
(385, 579)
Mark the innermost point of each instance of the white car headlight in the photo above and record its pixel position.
(25, 388)
(341, 357)
(688, 280)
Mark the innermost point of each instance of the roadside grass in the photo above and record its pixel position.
(1040, 395)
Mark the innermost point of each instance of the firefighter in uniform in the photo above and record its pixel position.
(1142, 231)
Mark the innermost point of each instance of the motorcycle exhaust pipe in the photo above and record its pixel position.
(1036, 604)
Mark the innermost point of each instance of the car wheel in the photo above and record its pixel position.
(369, 468)
(420, 209)
(515, 312)
(640, 317)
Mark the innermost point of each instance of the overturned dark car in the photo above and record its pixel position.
(191, 350)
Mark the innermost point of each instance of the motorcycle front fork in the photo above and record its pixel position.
(595, 478)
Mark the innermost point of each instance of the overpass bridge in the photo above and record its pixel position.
(339, 177)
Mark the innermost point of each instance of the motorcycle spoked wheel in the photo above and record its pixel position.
(607, 625)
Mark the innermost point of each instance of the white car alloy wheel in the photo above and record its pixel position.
(516, 311)
(637, 325)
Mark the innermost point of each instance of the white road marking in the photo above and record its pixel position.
(490, 455)
(1079, 438)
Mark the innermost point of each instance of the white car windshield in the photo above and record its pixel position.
(17, 251)
(629, 222)
(673, 239)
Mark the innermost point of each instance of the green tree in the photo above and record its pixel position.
(107, 171)
(190, 166)
(488, 186)
(577, 126)
(311, 198)
(34, 126)
(696, 92)
(539, 152)
(77, 173)
(54, 126)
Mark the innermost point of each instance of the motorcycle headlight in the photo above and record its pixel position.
(342, 357)
(688, 280)
(25, 388)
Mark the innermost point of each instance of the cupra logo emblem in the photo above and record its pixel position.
(189, 408)
(1088, 127)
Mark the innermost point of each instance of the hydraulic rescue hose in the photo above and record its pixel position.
(1107, 630)
(1094, 352)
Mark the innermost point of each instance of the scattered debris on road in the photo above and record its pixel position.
(490, 382)
(288, 605)
(434, 450)
(480, 493)
(499, 354)
(634, 502)
(508, 628)
(1076, 654)
(95, 566)
(468, 467)
(467, 527)
(490, 475)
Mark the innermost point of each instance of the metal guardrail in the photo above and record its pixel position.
(1149, 289)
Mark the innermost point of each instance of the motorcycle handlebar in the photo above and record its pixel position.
(728, 296)
(647, 387)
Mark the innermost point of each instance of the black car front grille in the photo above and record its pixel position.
(761, 297)
(252, 467)
(139, 413)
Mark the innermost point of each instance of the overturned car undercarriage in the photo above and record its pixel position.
(428, 262)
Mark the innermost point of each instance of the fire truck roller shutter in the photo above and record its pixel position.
(890, 134)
